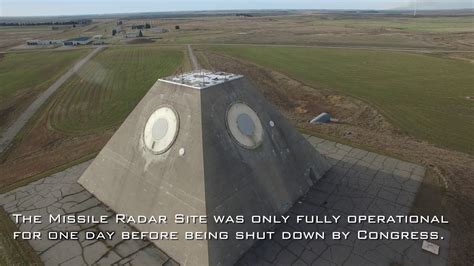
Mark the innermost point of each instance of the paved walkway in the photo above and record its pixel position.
(9, 134)
(359, 182)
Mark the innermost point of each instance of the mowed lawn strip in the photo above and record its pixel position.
(108, 87)
(33, 70)
(423, 95)
(28, 73)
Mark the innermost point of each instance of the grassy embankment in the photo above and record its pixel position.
(423, 95)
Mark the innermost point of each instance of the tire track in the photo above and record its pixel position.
(193, 59)
(10, 133)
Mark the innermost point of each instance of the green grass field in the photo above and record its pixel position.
(423, 95)
(26, 71)
(109, 86)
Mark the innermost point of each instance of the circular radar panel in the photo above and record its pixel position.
(244, 125)
(161, 130)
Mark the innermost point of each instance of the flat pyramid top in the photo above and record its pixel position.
(201, 79)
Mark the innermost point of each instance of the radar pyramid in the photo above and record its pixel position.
(204, 143)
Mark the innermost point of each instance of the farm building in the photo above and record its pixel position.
(138, 27)
(44, 42)
(78, 41)
(133, 34)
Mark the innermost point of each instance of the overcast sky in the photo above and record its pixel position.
(79, 7)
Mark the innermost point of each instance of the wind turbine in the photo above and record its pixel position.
(416, 6)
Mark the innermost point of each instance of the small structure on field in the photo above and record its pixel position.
(321, 119)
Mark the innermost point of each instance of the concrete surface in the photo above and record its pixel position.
(61, 194)
(201, 79)
(9, 134)
(359, 182)
(215, 176)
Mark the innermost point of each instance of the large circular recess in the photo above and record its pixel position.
(244, 125)
(161, 130)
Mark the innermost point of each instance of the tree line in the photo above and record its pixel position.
(72, 22)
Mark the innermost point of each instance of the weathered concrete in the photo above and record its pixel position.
(215, 176)
(359, 183)
(61, 194)
(9, 134)
(343, 190)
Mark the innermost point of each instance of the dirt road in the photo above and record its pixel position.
(192, 58)
(361, 47)
(10, 133)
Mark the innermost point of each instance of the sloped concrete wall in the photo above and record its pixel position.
(262, 181)
(131, 180)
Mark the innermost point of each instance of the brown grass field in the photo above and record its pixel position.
(312, 28)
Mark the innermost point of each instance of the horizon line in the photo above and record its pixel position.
(233, 10)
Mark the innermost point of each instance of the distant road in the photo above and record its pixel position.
(387, 48)
(193, 59)
(10, 133)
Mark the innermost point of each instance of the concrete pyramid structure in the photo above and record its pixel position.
(204, 143)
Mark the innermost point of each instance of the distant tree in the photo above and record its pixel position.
(244, 15)
(176, 27)
(140, 34)
(72, 22)
(147, 26)
(114, 31)
(73, 25)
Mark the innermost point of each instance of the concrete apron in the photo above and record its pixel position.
(359, 182)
